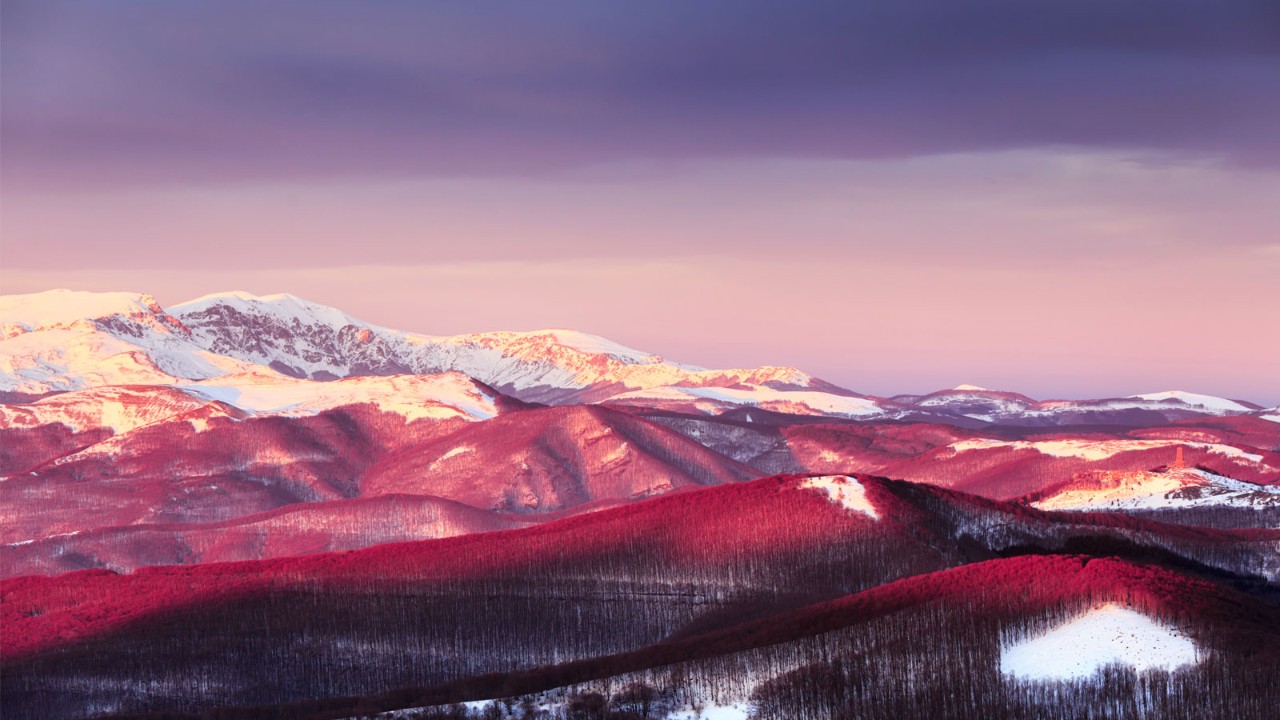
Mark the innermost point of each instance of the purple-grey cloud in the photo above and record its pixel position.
(161, 92)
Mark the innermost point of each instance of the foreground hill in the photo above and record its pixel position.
(689, 577)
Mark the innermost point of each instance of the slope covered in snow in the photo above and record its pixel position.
(62, 340)
(57, 360)
(1173, 404)
(62, 309)
(1173, 488)
(969, 402)
(715, 400)
(1107, 635)
(444, 395)
(116, 408)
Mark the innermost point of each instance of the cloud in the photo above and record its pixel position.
(157, 92)
(1013, 207)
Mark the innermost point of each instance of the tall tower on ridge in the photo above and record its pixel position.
(1178, 462)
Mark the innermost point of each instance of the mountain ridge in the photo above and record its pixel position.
(62, 340)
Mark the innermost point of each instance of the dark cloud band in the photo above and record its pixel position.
(158, 91)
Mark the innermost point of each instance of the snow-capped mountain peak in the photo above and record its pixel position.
(67, 309)
(282, 306)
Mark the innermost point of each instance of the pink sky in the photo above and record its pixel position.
(1051, 273)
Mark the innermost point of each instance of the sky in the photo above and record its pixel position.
(1067, 199)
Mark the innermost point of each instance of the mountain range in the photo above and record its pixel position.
(252, 351)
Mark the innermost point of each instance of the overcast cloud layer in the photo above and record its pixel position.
(158, 91)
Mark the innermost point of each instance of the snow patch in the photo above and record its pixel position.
(844, 491)
(1106, 635)
(455, 452)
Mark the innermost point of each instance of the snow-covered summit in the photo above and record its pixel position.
(291, 335)
(64, 309)
(1209, 402)
(282, 306)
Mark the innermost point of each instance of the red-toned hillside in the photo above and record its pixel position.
(207, 466)
(866, 447)
(214, 464)
(552, 458)
(204, 469)
(299, 529)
